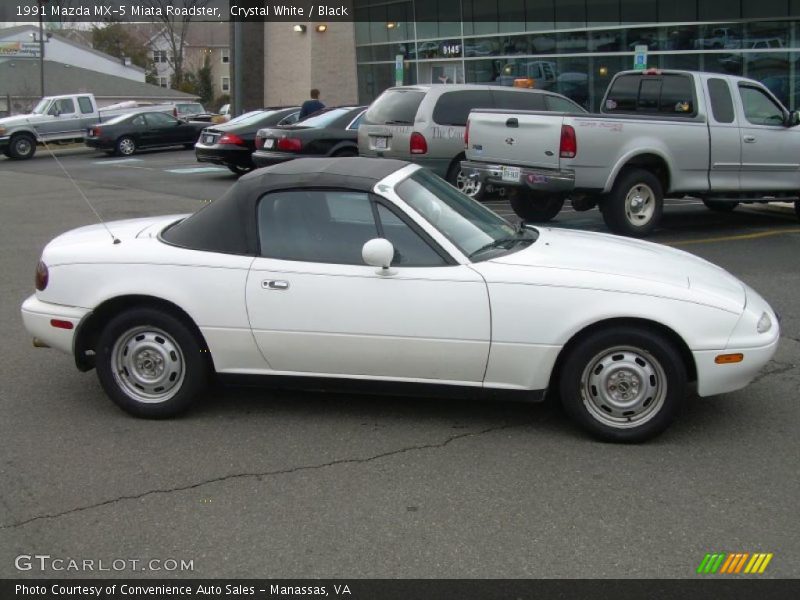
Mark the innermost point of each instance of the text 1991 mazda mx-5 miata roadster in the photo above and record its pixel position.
(378, 271)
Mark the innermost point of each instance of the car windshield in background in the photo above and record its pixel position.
(251, 118)
(324, 119)
(41, 108)
(190, 109)
(474, 229)
(395, 107)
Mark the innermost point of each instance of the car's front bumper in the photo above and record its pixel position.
(548, 181)
(264, 158)
(38, 317)
(223, 154)
(5, 140)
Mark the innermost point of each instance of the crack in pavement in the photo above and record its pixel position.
(341, 461)
(779, 368)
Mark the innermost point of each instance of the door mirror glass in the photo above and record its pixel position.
(378, 252)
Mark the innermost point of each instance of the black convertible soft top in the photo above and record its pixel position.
(229, 224)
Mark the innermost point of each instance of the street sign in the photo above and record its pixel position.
(640, 58)
(398, 69)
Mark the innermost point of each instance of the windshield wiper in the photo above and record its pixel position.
(499, 244)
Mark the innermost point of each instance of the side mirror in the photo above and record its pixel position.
(379, 252)
(793, 119)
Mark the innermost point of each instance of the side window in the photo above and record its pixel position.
(452, 108)
(667, 94)
(623, 95)
(86, 105)
(324, 226)
(64, 106)
(559, 104)
(357, 121)
(410, 249)
(160, 120)
(138, 121)
(759, 108)
(677, 95)
(518, 100)
(721, 100)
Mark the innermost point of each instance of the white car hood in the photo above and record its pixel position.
(615, 258)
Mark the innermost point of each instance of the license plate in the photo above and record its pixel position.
(208, 139)
(269, 143)
(511, 174)
(380, 143)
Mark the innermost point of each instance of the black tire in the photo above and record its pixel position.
(170, 346)
(346, 152)
(797, 208)
(474, 189)
(535, 208)
(238, 169)
(189, 146)
(619, 351)
(625, 217)
(22, 147)
(722, 206)
(125, 146)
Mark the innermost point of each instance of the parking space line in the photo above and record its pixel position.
(189, 170)
(118, 161)
(733, 238)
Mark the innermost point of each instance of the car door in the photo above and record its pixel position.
(64, 121)
(315, 308)
(162, 130)
(770, 157)
(725, 137)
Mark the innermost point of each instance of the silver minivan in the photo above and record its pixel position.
(425, 123)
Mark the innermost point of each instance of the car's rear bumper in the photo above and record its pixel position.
(223, 155)
(38, 317)
(99, 143)
(264, 158)
(548, 181)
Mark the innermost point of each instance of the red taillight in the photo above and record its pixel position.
(42, 276)
(569, 143)
(231, 138)
(418, 143)
(289, 144)
(96, 131)
(175, 112)
(466, 135)
(61, 324)
(259, 142)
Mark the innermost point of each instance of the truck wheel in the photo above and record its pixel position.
(466, 185)
(624, 384)
(125, 146)
(797, 208)
(720, 205)
(535, 208)
(635, 204)
(22, 147)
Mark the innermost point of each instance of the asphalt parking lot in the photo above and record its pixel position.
(285, 484)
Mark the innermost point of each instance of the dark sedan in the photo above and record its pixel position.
(232, 143)
(330, 132)
(125, 134)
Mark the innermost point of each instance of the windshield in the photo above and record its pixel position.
(251, 117)
(41, 108)
(474, 229)
(395, 107)
(324, 119)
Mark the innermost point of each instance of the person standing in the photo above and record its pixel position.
(311, 106)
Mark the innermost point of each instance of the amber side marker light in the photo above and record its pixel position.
(726, 359)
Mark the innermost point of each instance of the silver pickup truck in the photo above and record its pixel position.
(721, 138)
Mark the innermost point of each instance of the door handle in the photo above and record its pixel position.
(275, 284)
(749, 139)
(512, 122)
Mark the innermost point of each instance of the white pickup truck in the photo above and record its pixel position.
(59, 119)
(720, 138)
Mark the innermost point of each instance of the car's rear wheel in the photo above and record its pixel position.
(624, 384)
(470, 186)
(22, 147)
(635, 204)
(720, 205)
(150, 363)
(125, 146)
(346, 152)
(535, 208)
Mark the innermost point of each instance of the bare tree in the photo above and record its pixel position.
(174, 31)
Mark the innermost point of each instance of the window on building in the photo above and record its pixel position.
(163, 81)
(226, 84)
(159, 56)
(225, 56)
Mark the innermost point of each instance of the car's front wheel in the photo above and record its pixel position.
(22, 147)
(797, 208)
(125, 146)
(624, 384)
(150, 363)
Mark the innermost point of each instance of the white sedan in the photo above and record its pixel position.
(377, 271)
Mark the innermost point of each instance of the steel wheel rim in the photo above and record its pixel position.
(640, 204)
(623, 387)
(148, 364)
(467, 185)
(23, 146)
(127, 146)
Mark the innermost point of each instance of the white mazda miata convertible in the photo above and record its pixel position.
(377, 271)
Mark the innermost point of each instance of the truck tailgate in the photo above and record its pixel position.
(519, 138)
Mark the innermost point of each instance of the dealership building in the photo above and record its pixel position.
(570, 46)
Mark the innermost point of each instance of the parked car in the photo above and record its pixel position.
(232, 143)
(329, 132)
(191, 111)
(721, 138)
(63, 118)
(425, 124)
(379, 271)
(128, 133)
